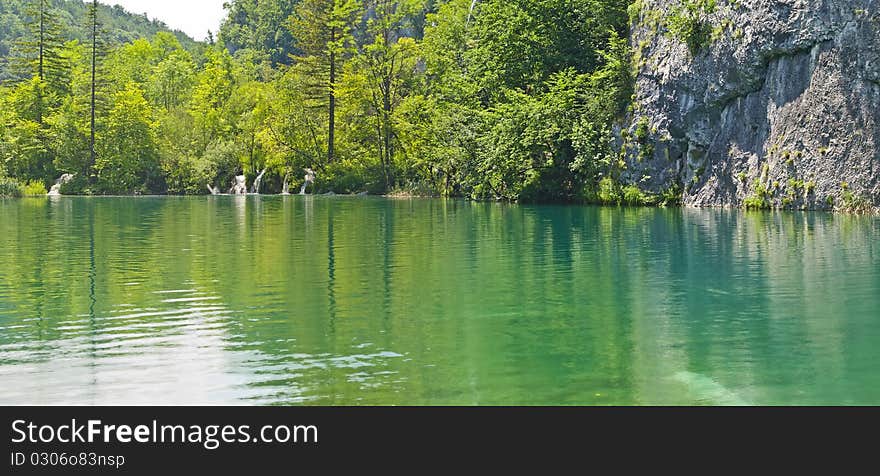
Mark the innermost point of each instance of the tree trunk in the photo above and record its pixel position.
(92, 151)
(42, 36)
(386, 136)
(331, 139)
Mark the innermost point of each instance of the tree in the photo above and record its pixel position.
(215, 84)
(293, 128)
(172, 80)
(389, 62)
(522, 95)
(490, 99)
(259, 25)
(323, 29)
(97, 51)
(26, 155)
(40, 52)
(129, 157)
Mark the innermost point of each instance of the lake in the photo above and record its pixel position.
(364, 301)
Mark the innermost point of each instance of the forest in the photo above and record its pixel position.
(512, 100)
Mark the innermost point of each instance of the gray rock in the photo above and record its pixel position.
(785, 98)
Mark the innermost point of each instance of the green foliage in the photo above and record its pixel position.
(521, 116)
(643, 138)
(128, 157)
(853, 202)
(688, 23)
(632, 195)
(497, 99)
(34, 189)
(760, 199)
(671, 196)
(67, 20)
(634, 11)
(260, 26)
(9, 187)
(610, 192)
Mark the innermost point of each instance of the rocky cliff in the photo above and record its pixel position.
(763, 103)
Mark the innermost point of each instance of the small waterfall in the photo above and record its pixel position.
(55, 191)
(239, 187)
(310, 180)
(214, 191)
(471, 13)
(286, 189)
(258, 182)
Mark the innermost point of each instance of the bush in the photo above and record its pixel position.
(608, 191)
(632, 195)
(34, 189)
(78, 186)
(9, 187)
(190, 176)
(348, 177)
(687, 25)
(672, 196)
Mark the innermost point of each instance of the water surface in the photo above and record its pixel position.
(340, 301)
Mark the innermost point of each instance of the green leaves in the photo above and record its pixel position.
(545, 79)
(688, 23)
(128, 156)
(496, 99)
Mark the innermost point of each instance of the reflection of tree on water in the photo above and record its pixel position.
(450, 302)
(387, 224)
(93, 297)
(331, 270)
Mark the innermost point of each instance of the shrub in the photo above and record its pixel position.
(760, 200)
(347, 177)
(78, 186)
(632, 195)
(9, 187)
(671, 196)
(686, 24)
(34, 189)
(608, 192)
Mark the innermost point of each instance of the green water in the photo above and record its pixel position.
(339, 301)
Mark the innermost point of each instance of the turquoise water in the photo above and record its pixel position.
(340, 301)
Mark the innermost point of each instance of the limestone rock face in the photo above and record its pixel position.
(780, 105)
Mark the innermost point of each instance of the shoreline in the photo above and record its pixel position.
(873, 211)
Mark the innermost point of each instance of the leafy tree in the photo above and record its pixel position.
(489, 99)
(128, 159)
(39, 53)
(214, 86)
(172, 80)
(323, 29)
(121, 26)
(260, 25)
(388, 62)
(26, 155)
(294, 128)
(97, 52)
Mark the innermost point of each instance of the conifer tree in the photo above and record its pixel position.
(323, 29)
